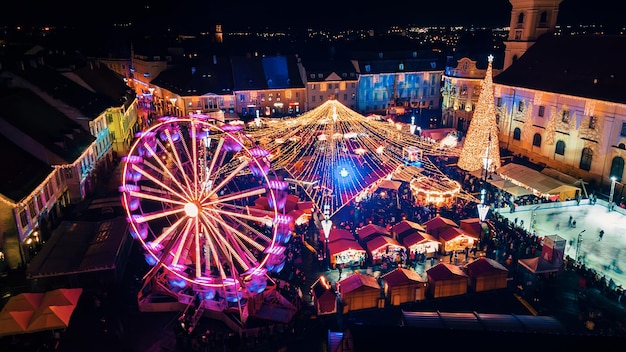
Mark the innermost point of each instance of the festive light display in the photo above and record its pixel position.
(335, 154)
(481, 146)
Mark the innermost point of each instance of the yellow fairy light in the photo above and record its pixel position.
(482, 134)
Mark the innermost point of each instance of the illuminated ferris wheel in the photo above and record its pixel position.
(187, 186)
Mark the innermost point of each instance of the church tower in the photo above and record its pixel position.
(529, 20)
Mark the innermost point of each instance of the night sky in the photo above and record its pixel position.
(285, 14)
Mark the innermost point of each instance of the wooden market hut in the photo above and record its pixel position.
(445, 280)
(473, 226)
(324, 297)
(370, 231)
(360, 291)
(438, 224)
(454, 239)
(404, 228)
(403, 286)
(421, 242)
(486, 274)
(346, 252)
(340, 234)
(381, 246)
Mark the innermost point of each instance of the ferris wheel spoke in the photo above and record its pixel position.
(228, 178)
(251, 229)
(236, 215)
(183, 241)
(168, 231)
(238, 195)
(158, 182)
(231, 229)
(156, 215)
(216, 155)
(178, 162)
(228, 249)
(148, 196)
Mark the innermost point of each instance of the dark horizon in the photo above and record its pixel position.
(187, 14)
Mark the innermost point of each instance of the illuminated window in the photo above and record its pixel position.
(565, 116)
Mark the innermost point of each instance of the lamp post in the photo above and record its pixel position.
(579, 241)
(613, 179)
(326, 227)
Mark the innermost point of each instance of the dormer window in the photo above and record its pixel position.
(367, 68)
(401, 67)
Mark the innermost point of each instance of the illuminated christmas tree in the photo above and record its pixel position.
(481, 147)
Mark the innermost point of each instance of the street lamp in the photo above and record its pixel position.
(326, 227)
(613, 179)
(580, 239)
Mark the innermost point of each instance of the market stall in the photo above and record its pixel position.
(360, 291)
(403, 286)
(454, 239)
(445, 280)
(438, 224)
(346, 252)
(384, 248)
(421, 242)
(369, 231)
(404, 228)
(324, 297)
(486, 274)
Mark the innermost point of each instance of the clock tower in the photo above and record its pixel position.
(529, 20)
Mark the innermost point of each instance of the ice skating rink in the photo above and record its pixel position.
(606, 255)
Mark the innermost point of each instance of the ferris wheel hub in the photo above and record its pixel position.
(191, 209)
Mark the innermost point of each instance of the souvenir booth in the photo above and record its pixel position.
(454, 239)
(403, 286)
(381, 247)
(445, 280)
(370, 231)
(421, 242)
(438, 224)
(324, 297)
(346, 252)
(360, 291)
(405, 228)
(486, 274)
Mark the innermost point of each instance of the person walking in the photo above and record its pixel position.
(600, 235)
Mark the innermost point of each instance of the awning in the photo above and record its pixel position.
(530, 178)
(389, 184)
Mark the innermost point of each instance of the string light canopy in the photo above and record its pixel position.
(336, 154)
(481, 146)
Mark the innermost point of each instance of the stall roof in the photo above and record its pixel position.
(79, 247)
(370, 230)
(401, 276)
(483, 322)
(538, 265)
(406, 226)
(417, 238)
(536, 180)
(389, 184)
(356, 281)
(339, 246)
(382, 241)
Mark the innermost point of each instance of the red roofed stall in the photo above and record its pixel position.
(445, 280)
(403, 286)
(360, 291)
